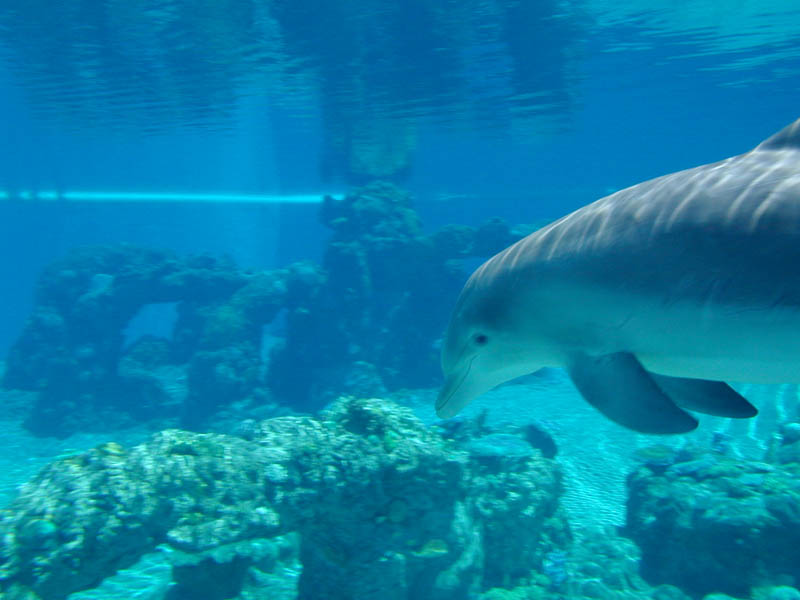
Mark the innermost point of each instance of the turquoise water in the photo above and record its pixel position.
(169, 264)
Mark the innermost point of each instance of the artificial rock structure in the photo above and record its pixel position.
(364, 321)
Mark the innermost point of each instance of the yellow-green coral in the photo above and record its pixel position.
(432, 548)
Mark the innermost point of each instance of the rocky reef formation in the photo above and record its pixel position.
(72, 348)
(707, 522)
(384, 294)
(366, 502)
(384, 508)
(364, 321)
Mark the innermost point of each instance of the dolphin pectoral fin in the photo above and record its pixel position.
(707, 397)
(619, 387)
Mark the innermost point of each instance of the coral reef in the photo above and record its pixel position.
(707, 522)
(366, 321)
(384, 508)
(371, 503)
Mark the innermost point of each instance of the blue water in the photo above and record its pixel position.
(604, 97)
(519, 109)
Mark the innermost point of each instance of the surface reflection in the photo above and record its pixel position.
(372, 70)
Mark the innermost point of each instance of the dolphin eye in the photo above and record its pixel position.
(480, 339)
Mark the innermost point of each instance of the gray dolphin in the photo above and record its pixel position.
(650, 298)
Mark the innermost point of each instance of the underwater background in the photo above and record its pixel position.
(231, 235)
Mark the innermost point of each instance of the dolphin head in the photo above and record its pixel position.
(484, 346)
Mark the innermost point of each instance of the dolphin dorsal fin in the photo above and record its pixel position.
(788, 137)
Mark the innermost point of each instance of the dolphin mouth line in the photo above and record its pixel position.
(442, 402)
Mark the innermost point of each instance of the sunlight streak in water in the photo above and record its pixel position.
(167, 197)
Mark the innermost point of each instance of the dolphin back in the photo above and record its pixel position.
(727, 232)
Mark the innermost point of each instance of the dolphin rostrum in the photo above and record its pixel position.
(650, 298)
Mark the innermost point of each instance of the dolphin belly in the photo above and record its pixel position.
(703, 340)
(724, 344)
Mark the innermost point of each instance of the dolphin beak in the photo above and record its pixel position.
(454, 395)
(444, 407)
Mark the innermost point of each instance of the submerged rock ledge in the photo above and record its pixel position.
(385, 507)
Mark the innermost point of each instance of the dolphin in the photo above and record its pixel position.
(650, 298)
